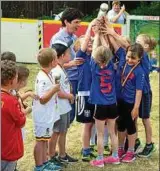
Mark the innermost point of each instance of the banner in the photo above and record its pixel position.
(52, 27)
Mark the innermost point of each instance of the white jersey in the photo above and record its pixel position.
(45, 115)
(64, 105)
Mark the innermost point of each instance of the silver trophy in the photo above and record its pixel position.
(57, 77)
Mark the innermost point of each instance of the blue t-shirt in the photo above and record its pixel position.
(146, 68)
(121, 53)
(103, 84)
(66, 37)
(134, 82)
(84, 72)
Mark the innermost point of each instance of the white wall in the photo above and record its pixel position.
(20, 37)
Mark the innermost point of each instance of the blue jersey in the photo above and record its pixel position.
(145, 63)
(84, 72)
(103, 84)
(121, 53)
(134, 82)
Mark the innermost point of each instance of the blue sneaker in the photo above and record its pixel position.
(52, 166)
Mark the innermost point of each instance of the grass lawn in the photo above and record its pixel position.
(74, 138)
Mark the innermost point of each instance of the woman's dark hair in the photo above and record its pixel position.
(70, 14)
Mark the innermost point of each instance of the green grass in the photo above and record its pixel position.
(74, 138)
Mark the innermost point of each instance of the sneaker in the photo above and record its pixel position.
(93, 148)
(67, 159)
(42, 168)
(129, 157)
(52, 166)
(88, 157)
(98, 163)
(121, 153)
(137, 144)
(106, 150)
(111, 160)
(57, 162)
(147, 151)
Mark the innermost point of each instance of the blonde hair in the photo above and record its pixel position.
(46, 56)
(77, 44)
(116, 3)
(102, 54)
(149, 40)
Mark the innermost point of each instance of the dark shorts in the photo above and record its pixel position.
(119, 105)
(103, 112)
(84, 110)
(145, 106)
(124, 121)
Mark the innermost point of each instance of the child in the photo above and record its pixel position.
(132, 80)
(148, 43)
(23, 74)
(153, 61)
(65, 98)
(124, 43)
(84, 109)
(13, 118)
(44, 110)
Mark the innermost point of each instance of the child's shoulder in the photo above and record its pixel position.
(8, 97)
(139, 69)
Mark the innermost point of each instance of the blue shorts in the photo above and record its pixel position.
(145, 106)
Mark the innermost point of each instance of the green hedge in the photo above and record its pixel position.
(152, 9)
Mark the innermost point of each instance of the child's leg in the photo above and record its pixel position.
(121, 138)
(38, 153)
(45, 148)
(93, 135)
(62, 144)
(148, 130)
(106, 136)
(8, 165)
(114, 138)
(52, 144)
(86, 135)
(100, 124)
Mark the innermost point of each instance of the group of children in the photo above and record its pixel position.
(111, 96)
(114, 92)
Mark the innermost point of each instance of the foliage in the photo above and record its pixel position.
(89, 18)
(146, 8)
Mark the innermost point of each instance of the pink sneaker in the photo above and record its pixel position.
(98, 163)
(121, 153)
(111, 160)
(129, 157)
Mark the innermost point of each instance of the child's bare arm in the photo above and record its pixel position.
(29, 94)
(64, 95)
(114, 43)
(48, 95)
(135, 110)
(87, 36)
(120, 40)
